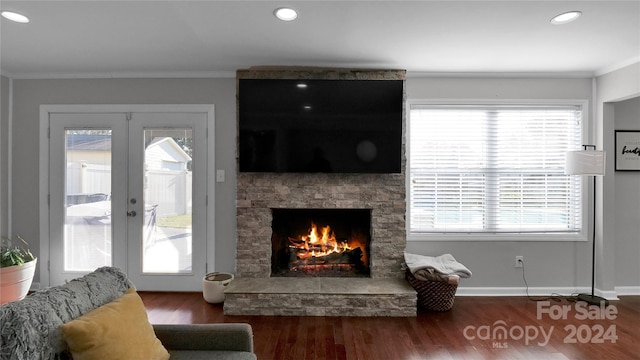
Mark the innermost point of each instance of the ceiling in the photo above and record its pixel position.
(215, 38)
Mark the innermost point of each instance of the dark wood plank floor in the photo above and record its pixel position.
(471, 330)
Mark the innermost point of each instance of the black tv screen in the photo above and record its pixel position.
(330, 126)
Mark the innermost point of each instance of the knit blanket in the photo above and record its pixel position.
(30, 328)
(438, 268)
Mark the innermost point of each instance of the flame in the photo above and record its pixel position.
(321, 241)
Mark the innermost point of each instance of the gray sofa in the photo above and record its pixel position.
(30, 328)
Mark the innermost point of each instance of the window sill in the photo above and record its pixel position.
(447, 237)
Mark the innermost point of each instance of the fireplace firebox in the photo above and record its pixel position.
(320, 242)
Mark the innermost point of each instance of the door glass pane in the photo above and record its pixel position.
(87, 231)
(167, 220)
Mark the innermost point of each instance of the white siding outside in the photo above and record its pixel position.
(84, 178)
(165, 154)
(170, 190)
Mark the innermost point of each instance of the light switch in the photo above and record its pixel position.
(219, 175)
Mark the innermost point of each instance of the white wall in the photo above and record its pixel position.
(549, 265)
(627, 204)
(30, 94)
(4, 156)
(611, 88)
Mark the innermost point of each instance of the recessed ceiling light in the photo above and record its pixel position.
(565, 18)
(14, 16)
(286, 14)
(301, 85)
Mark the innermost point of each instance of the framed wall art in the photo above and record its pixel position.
(627, 145)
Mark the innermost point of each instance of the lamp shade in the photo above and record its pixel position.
(586, 162)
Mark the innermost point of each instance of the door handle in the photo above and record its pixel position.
(131, 213)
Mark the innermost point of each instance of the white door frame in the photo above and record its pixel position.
(43, 184)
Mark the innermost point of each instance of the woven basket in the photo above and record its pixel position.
(433, 295)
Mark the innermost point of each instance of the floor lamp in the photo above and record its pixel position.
(588, 161)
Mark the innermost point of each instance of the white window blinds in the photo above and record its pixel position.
(493, 169)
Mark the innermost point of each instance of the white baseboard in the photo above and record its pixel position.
(628, 290)
(520, 291)
(541, 291)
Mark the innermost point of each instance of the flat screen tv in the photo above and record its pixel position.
(329, 126)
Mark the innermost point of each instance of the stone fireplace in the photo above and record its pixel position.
(260, 287)
(260, 194)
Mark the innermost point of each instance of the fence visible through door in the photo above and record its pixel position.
(122, 194)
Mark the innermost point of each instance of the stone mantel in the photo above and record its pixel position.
(318, 73)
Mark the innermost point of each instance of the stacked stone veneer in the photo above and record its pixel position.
(254, 292)
(259, 193)
(320, 297)
(293, 304)
(384, 194)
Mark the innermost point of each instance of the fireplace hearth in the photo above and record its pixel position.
(320, 242)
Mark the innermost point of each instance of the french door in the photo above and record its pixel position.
(128, 189)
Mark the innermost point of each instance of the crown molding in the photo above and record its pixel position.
(618, 66)
(126, 75)
(502, 75)
(232, 74)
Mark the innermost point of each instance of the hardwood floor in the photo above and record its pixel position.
(471, 330)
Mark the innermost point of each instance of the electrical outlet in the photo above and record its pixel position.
(519, 261)
(219, 175)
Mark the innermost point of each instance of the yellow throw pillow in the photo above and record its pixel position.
(117, 330)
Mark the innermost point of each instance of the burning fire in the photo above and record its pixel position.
(318, 243)
(320, 252)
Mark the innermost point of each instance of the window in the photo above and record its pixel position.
(493, 171)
